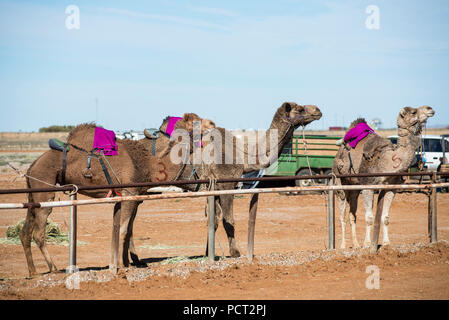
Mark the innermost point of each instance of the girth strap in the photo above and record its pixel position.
(103, 166)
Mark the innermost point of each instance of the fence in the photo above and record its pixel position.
(330, 189)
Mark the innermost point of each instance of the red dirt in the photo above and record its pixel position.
(287, 225)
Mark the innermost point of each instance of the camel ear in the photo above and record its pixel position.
(287, 106)
(404, 111)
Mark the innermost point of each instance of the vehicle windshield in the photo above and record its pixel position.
(432, 145)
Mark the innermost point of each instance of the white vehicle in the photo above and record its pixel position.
(432, 153)
(132, 135)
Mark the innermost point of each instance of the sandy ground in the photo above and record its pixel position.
(292, 260)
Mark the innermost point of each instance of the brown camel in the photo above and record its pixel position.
(134, 163)
(375, 154)
(287, 118)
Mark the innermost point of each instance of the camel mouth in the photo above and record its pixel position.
(426, 116)
(317, 115)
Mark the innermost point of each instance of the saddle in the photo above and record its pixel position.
(59, 145)
(110, 149)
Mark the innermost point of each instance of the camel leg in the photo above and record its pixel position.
(127, 215)
(368, 200)
(388, 199)
(132, 248)
(252, 224)
(115, 238)
(25, 237)
(227, 207)
(353, 199)
(342, 199)
(40, 222)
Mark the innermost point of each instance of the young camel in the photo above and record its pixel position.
(134, 163)
(286, 119)
(375, 154)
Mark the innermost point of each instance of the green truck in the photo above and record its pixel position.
(316, 152)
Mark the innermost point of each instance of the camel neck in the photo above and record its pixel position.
(284, 130)
(407, 145)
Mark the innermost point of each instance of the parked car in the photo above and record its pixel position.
(131, 135)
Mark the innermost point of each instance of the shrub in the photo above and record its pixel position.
(56, 129)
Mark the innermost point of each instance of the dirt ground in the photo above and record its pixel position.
(292, 260)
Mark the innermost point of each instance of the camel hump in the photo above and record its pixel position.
(374, 145)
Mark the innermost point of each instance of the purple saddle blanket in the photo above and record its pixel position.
(171, 125)
(105, 140)
(356, 134)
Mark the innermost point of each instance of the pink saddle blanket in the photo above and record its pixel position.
(356, 134)
(105, 140)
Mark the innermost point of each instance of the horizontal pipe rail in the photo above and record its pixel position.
(177, 195)
(202, 181)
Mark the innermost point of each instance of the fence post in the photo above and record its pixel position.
(211, 224)
(72, 235)
(331, 214)
(432, 212)
(377, 220)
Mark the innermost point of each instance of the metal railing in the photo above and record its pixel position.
(330, 189)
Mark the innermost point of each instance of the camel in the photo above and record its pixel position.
(374, 154)
(288, 117)
(134, 163)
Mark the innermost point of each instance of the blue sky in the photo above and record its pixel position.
(231, 61)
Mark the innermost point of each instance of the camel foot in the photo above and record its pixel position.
(356, 245)
(366, 244)
(385, 243)
(137, 262)
(235, 253)
(53, 269)
(343, 245)
(32, 274)
(373, 249)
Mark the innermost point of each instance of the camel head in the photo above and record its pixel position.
(299, 115)
(187, 123)
(424, 113)
(413, 119)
